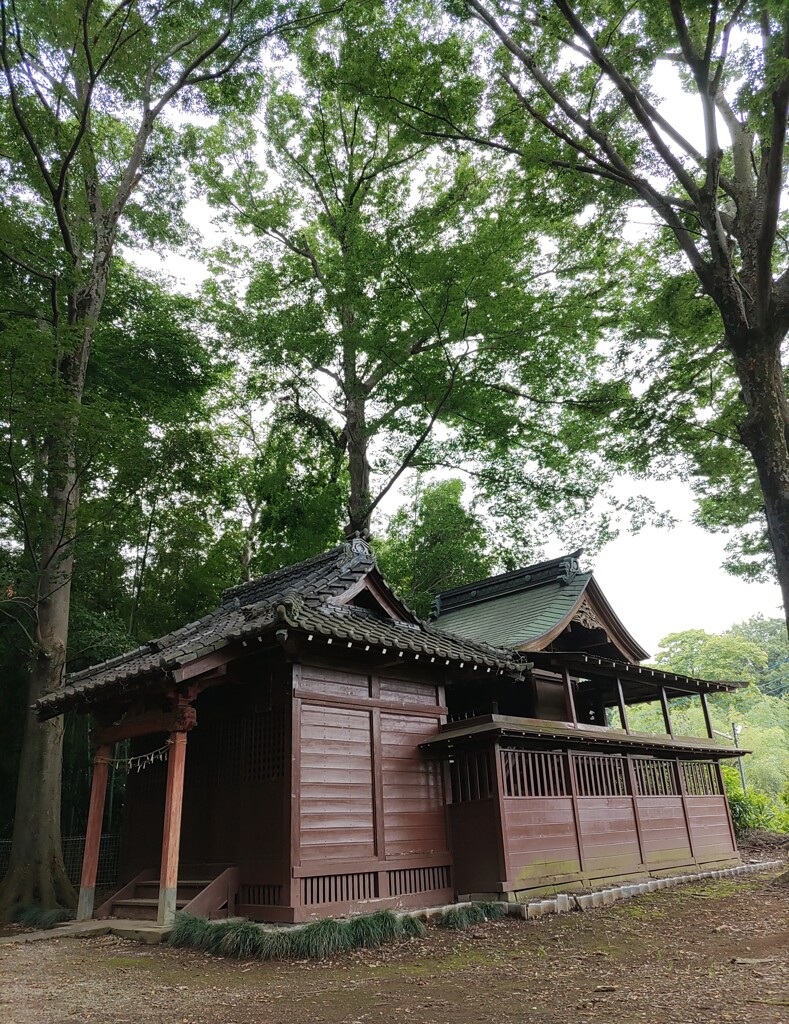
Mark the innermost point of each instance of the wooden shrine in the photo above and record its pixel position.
(311, 748)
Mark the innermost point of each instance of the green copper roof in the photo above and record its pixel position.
(514, 620)
(514, 609)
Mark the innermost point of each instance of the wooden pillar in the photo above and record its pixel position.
(569, 700)
(680, 775)
(171, 838)
(620, 698)
(633, 787)
(579, 838)
(666, 712)
(90, 858)
(706, 709)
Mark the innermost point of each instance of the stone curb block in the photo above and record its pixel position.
(564, 902)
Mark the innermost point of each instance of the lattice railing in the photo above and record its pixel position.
(600, 775)
(701, 778)
(471, 776)
(655, 777)
(533, 773)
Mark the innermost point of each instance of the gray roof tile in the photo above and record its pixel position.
(296, 596)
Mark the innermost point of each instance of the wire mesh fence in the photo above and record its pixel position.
(73, 849)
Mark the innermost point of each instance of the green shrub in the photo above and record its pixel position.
(753, 810)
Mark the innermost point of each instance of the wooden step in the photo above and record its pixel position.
(186, 887)
(139, 909)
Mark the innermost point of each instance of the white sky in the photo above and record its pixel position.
(662, 581)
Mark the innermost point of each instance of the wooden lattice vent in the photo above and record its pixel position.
(240, 748)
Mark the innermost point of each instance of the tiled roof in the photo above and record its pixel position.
(299, 596)
(517, 608)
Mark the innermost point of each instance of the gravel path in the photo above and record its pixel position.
(697, 954)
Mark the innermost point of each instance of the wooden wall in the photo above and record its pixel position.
(578, 817)
(368, 823)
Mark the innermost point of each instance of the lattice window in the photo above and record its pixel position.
(534, 773)
(600, 775)
(245, 747)
(701, 778)
(405, 881)
(264, 746)
(261, 895)
(347, 888)
(471, 776)
(655, 777)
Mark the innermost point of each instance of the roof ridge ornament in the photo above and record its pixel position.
(570, 566)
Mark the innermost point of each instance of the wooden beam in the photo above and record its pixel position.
(179, 719)
(171, 838)
(90, 857)
(707, 720)
(666, 711)
(620, 697)
(569, 700)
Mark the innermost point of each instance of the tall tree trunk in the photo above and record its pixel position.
(765, 433)
(358, 465)
(36, 873)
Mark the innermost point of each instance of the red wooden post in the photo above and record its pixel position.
(171, 838)
(90, 858)
(573, 780)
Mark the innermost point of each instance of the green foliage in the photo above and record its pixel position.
(432, 544)
(755, 651)
(753, 810)
(411, 299)
(244, 939)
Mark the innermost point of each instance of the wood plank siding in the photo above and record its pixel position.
(579, 817)
(372, 818)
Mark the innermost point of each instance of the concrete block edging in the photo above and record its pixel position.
(562, 903)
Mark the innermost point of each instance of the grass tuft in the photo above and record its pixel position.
(320, 939)
(412, 927)
(460, 918)
(244, 939)
(42, 917)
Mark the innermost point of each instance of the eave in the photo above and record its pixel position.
(502, 727)
(643, 682)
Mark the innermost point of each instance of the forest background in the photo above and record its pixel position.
(423, 284)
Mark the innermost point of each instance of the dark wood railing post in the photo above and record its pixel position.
(569, 699)
(620, 696)
(680, 775)
(707, 720)
(722, 788)
(90, 856)
(576, 809)
(631, 775)
(171, 838)
(666, 712)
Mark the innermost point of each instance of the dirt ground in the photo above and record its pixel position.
(699, 954)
